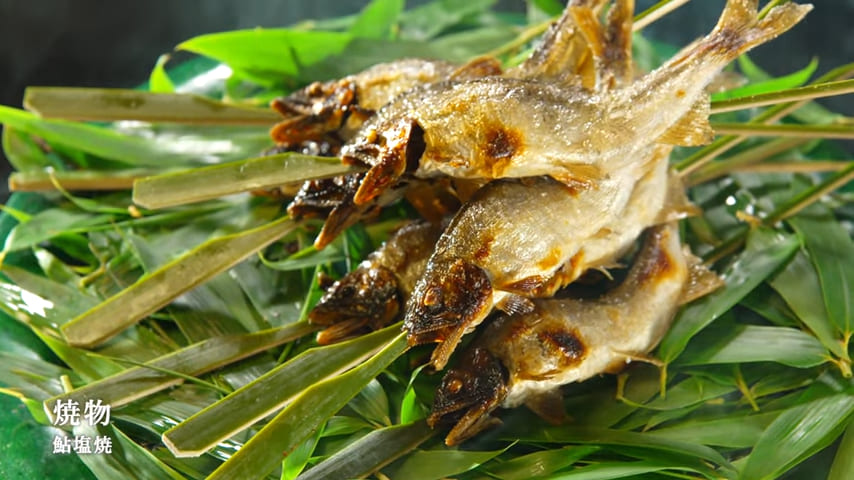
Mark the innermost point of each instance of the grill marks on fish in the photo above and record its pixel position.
(568, 340)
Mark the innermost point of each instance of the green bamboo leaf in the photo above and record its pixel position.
(784, 82)
(768, 303)
(740, 431)
(309, 257)
(340, 425)
(158, 80)
(303, 416)
(753, 343)
(439, 464)
(372, 404)
(765, 253)
(691, 391)
(50, 223)
(268, 56)
(377, 19)
(30, 377)
(540, 464)
(112, 104)
(42, 298)
(96, 140)
(545, 9)
(127, 458)
(90, 180)
(603, 436)
(800, 287)
(23, 153)
(167, 283)
(205, 183)
(412, 409)
(370, 453)
(832, 253)
(429, 20)
(843, 464)
(609, 470)
(799, 433)
(268, 393)
(202, 357)
(298, 459)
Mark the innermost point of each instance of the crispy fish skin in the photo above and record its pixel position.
(369, 297)
(528, 238)
(528, 356)
(497, 127)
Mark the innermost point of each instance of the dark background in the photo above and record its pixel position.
(115, 44)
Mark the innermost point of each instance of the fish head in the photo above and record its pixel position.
(389, 148)
(313, 111)
(469, 392)
(366, 299)
(449, 300)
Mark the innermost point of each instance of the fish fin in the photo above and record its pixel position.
(693, 128)
(623, 359)
(702, 281)
(677, 205)
(586, 20)
(578, 177)
(740, 28)
(477, 68)
(513, 304)
(617, 59)
(548, 405)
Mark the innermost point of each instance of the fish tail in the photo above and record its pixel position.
(740, 28)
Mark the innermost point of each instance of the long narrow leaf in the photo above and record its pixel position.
(303, 416)
(95, 140)
(799, 433)
(832, 253)
(799, 286)
(753, 343)
(439, 464)
(205, 183)
(167, 283)
(843, 464)
(766, 252)
(370, 453)
(103, 104)
(196, 359)
(267, 394)
(540, 464)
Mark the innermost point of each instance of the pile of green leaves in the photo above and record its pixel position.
(186, 313)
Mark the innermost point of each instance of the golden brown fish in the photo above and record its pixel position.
(527, 238)
(525, 358)
(495, 127)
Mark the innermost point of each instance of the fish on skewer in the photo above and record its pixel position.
(501, 126)
(524, 358)
(523, 238)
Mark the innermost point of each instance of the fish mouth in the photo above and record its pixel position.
(468, 394)
(446, 305)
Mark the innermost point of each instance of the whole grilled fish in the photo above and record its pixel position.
(498, 126)
(522, 238)
(523, 358)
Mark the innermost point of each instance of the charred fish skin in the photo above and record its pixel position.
(497, 127)
(369, 297)
(488, 254)
(566, 340)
